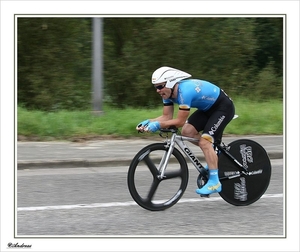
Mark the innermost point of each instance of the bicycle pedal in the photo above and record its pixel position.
(204, 195)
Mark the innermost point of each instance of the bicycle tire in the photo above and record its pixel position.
(245, 190)
(147, 190)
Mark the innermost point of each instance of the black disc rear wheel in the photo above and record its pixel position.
(245, 189)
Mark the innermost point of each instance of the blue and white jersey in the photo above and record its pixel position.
(193, 93)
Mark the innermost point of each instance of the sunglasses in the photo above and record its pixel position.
(160, 87)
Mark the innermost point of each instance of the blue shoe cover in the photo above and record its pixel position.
(210, 188)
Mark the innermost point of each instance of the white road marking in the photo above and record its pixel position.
(124, 204)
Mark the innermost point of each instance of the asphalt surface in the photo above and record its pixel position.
(103, 153)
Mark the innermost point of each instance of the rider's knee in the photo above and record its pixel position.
(206, 141)
(188, 130)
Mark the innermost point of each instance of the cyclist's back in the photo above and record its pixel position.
(194, 93)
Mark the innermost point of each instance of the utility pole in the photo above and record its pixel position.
(97, 70)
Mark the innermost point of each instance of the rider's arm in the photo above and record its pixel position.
(177, 122)
(166, 119)
(167, 114)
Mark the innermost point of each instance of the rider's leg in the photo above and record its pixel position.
(189, 130)
(209, 153)
(205, 143)
(212, 123)
(213, 133)
(213, 184)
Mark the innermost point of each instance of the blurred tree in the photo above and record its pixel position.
(269, 35)
(241, 55)
(221, 50)
(54, 62)
(268, 59)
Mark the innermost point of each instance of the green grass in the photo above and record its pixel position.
(257, 118)
(254, 118)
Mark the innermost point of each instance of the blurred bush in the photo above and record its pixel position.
(241, 55)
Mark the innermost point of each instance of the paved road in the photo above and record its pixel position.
(93, 202)
(109, 152)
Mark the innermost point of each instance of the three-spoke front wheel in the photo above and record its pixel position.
(147, 187)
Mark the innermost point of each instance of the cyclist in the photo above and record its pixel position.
(214, 111)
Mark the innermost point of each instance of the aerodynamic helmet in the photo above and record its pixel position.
(169, 75)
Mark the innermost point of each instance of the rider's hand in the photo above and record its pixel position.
(153, 126)
(142, 125)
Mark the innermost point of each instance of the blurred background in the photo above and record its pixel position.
(70, 70)
(244, 56)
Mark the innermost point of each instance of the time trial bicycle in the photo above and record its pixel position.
(158, 174)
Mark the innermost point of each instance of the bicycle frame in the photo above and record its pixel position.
(237, 188)
(179, 141)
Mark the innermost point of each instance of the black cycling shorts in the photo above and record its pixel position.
(213, 121)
